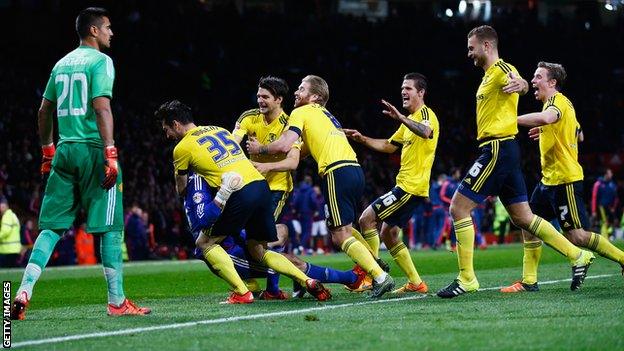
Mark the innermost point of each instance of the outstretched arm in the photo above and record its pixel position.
(420, 129)
(283, 144)
(515, 84)
(381, 145)
(290, 163)
(537, 119)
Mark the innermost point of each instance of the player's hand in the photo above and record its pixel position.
(230, 182)
(515, 84)
(111, 168)
(391, 111)
(48, 152)
(253, 146)
(534, 133)
(261, 167)
(354, 135)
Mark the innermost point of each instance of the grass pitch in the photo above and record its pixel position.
(68, 310)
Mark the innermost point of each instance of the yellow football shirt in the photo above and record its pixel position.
(253, 124)
(323, 136)
(211, 151)
(417, 154)
(559, 144)
(497, 112)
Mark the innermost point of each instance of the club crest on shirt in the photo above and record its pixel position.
(198, 197)
(272, 137)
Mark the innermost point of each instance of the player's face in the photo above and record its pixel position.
(410, 95)
(105, 33)
(173, 132)
(476, 51)
(303, 95)
(542, 84)
(266, 101)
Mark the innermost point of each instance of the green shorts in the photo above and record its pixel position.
(74, 182)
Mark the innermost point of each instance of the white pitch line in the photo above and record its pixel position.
(248, 317)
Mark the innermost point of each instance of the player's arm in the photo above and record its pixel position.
(380, 145)
(104, 120)
(420, 129)
(46, 130)
(515, 84)
(283, 144)
(536, 119)
(290, 163)
(181, 181)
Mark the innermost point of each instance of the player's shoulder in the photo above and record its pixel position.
(251, 114)
(504, 67)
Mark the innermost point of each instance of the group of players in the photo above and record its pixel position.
(233, 203)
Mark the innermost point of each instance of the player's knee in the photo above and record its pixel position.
(368, 219)
(341, 234)
(457, 211)
(578, 237)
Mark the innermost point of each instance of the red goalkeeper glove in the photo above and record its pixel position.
(46, 161)
(110, 167)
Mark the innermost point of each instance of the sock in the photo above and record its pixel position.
(549, 235)
(272, 283)
(605, 248)
(329, 275)
(110, 249)
(41, 252)
(530, 261)
(465, 233)
(223, 265)
(281, 264)
(372, 238)
(358, 236)
(360, 255)
(402, 257)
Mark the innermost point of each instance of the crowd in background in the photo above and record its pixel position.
(211, 57)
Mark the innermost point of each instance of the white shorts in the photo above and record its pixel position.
(319, 228)
(296, 225)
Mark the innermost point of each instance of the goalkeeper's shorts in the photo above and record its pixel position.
(74, 183)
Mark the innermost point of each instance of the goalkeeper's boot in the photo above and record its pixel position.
(236, 298)
(383, 264)
(580, 268)
(360, 274)
(316, 289)
(457, 288)
(18, 309)
(410, 287)
(519, 286)
(381, 288)
(280, 295)
(127, 307)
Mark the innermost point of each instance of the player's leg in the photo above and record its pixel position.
(369, 224)
(401, 255)
(58, 212)
(323, 274)
(342, 189)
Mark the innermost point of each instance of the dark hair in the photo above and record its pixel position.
(318, 87)
(420, 81)
(484, 33)
(174, 111)
(276, 86)
(555, 71)
(91, 16)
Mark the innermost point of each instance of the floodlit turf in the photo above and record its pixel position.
(71, 302)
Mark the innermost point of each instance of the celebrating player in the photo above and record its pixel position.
(212, 152)
(418, 137)
(497, 170)
(85, 170)
(560, 192)
(343, 179)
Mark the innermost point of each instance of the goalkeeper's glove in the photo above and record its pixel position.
(110, 167)
(46, 161)
(230, 182)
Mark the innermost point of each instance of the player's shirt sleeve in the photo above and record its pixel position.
(551, 104)
(397, 138)
(296, 122)
(242, 127)
(181, 159)
(50, 89)
(102, 78)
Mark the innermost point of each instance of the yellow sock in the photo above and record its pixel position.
(223, 265)
(402, 257)
(372, 238)
(603, 246)
(282, 265)
(464, 231)
(360, 255)
(358, 236)
(549, 235)
(530, 261)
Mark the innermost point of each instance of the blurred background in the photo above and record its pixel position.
(210, 55)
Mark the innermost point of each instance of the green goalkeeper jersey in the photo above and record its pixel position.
(77, 79)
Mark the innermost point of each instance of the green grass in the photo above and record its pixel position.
(72, 302)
